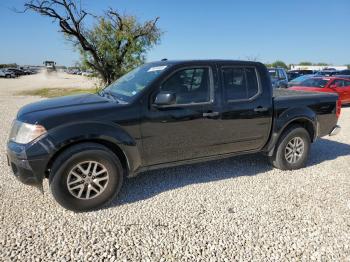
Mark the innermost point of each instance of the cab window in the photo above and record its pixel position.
(240, 83)
(189, 85)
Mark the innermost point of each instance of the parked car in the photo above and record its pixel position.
(342, 76)
(74, 71)
(28, 71)
(163, 114)
(86, 73)
(16, 72)
(326, 73)
(340, 86)
(7, 74)
(297, 81)
(292, 74)
(343, 72)
(279, 78)
(33, 70)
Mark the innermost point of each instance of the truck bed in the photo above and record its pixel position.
(319, 103)
(283, 93)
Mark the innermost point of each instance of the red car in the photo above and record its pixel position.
(338, 85)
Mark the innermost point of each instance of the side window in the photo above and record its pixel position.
(189, 85)
(252, 82)
(281, 74)
(346, 82)
(240, 83)
(285, 75)
(235, 83)
(338, 83)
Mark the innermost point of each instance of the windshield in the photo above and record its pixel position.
(301, 78)
(315, 82)
(132, 83)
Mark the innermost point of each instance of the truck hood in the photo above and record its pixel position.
(72, 109)
(66, 102)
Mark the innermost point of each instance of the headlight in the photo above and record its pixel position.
(24, 133)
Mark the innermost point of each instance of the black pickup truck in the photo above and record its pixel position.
(159, 115)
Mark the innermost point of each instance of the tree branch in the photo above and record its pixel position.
(111, 47)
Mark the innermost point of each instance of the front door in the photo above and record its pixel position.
(342, 87)
(181, 131)
(346, 91)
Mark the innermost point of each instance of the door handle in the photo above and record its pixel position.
(260, 109)
(210, 114)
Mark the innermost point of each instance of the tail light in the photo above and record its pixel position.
(338, 109)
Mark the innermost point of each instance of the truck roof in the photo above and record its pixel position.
(203, 61)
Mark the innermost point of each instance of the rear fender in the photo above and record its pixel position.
(288, 117)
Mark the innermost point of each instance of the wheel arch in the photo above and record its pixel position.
(114, 137)
(303, 117)
(118, 152)
(305, 123)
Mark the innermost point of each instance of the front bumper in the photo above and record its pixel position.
(29, 170)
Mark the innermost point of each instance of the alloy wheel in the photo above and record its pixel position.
(294, 150)
(87, 180)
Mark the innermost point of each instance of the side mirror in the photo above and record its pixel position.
(165, 99)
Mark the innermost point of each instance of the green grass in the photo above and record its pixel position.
(56, 92)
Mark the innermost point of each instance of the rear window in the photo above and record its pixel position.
(315, 82)
(300, 78)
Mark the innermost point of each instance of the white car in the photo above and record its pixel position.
(5, 73)
(86, 73)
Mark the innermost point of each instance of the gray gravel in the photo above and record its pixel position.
(235, 209)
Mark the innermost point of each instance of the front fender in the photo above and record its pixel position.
(72, 133)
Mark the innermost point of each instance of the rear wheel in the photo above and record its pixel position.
(292, 149)
(86, 177)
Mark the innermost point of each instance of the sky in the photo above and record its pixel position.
(265, 30)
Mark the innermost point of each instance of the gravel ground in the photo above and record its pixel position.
(235, 209)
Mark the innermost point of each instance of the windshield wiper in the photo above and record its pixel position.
(110, 94)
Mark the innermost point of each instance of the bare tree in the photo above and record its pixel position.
(124, 34)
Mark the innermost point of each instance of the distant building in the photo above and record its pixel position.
(317, 68)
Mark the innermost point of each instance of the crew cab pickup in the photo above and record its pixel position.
(163, 114)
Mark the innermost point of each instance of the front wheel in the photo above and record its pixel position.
(85, 177)
(292, 149)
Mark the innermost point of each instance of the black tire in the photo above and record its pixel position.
(74, 155)
(279, 159)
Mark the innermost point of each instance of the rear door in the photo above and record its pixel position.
(246, 115)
